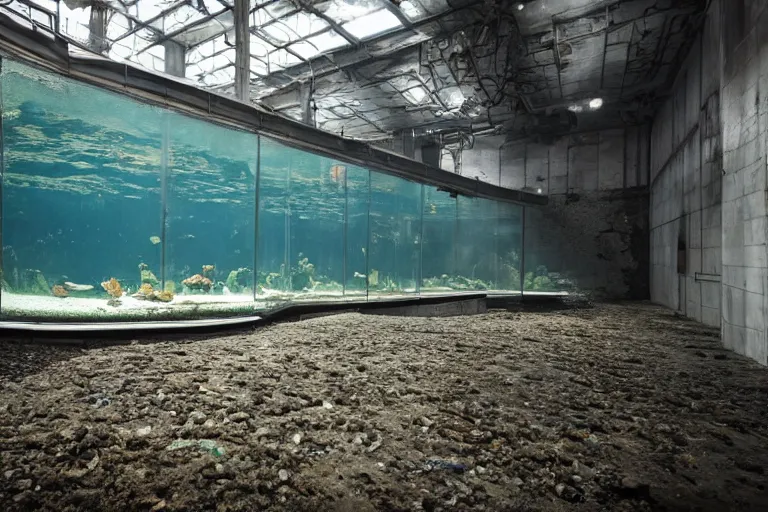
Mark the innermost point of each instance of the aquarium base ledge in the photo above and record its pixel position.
(110, 327)
(433, 305)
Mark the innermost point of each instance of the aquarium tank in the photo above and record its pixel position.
(113, 210)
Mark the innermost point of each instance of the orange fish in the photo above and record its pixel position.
(338, 172)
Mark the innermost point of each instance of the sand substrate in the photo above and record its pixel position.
(620, 407)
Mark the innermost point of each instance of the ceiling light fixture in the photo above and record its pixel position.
(596, 103)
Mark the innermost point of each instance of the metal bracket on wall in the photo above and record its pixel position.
(711, 278)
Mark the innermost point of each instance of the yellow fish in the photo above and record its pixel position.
(155, 240)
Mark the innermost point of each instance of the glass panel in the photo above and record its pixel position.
(395, 236)
(357, 204)
(273, 265)
(317, 226)
(545, 260)
(210, 219)
(475, 244)
(81, 199)
(509, 247)
(372, 24)
(438, 255)
(320, 43)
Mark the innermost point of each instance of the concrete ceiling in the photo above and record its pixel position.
(493, 66)
(374, 68)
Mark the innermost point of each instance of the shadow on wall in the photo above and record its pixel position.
(598, 240)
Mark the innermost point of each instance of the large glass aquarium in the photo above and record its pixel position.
(117, 210)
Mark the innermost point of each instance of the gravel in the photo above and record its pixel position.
(609, 408)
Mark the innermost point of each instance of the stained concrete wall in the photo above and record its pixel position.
(595, 229)
(708, 169)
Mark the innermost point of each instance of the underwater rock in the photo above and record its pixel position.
(238, 280)
(113, 288)
(302, 276)
(34, 282)
(198, 282)
(59, 291)
(72, 287)
(208, 271)
(373, 278)
(147, 276)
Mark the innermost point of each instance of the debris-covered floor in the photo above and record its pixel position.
(613, 408)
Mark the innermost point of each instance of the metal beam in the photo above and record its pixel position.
(307, 6)
(242, 50)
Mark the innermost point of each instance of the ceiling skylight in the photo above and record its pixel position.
(318, 44)
(372, 24)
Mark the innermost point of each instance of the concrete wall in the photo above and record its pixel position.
(595, 229)
(708, 171)
(585, 162)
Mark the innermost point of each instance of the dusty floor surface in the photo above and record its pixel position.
(613, 408)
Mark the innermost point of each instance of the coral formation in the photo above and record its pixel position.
(198, 282)
(59, 291)
(302, 275)
(164, 296)
(208, 271)
(147, 293)
(147, 276)
(113, 288)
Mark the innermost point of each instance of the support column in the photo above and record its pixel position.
(97, 28)
(174, 58)
(305, 98)
(242, 50)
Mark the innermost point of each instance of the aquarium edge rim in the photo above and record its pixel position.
(51, 52)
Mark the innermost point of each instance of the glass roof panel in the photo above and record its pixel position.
(206, 49)
(147, 9)
(258, 67)
(280, 8)
(293, 27)
(415, 95)
(74, 22)
(213, 6)
(259, 47)
(413, 10)
(181, 17)
(372, 24)
(342, 11)
(118, 25)
(220, 77)
(318, 44)
(207, 29)
(280, 59)
(218, 61)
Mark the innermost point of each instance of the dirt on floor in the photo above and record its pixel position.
(619, 407)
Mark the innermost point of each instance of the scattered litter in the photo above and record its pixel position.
(445, 465)
(206, 445)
